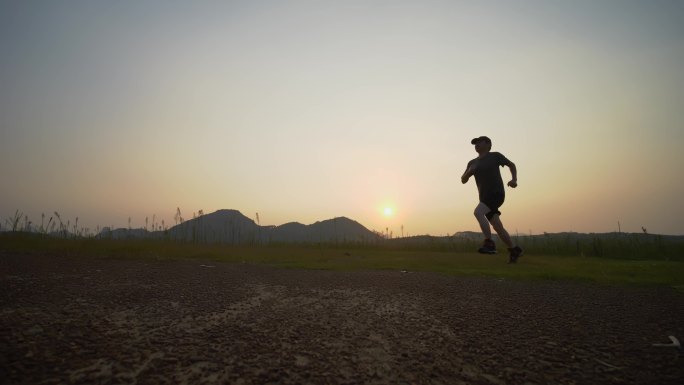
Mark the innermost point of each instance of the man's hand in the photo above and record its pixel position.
(513, 183)
(469, 172)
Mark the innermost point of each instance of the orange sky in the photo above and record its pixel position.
(304, 111)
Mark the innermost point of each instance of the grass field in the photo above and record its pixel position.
(531, 267)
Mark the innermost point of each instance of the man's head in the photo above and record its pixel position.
(482, 144)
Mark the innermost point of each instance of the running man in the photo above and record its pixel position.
(490, 187)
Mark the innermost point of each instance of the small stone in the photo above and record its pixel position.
(34, 330)
(493, 379)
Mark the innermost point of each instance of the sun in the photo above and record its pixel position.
(388, 211)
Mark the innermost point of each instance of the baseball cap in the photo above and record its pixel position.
(486, 139)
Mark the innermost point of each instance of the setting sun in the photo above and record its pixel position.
(388, 211)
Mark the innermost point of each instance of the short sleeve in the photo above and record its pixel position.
(502, 160)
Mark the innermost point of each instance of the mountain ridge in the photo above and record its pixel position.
(233, 227)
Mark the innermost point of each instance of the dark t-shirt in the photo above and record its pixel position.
(487, 173)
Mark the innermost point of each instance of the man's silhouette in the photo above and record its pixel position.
(490, 186)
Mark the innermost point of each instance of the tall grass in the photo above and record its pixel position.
(641, 246)
(611, 245)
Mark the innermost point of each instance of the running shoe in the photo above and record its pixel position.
(516, 252)
(488, 247)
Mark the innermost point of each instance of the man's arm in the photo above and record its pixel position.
(467, 174)
(514, 175)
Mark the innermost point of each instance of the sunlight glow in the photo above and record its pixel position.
(388, 211)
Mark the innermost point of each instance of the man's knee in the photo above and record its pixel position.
(481, 210)
(496, 221)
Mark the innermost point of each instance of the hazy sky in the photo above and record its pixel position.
(308, 110)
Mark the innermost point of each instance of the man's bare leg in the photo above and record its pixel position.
(480, 214)
(499, 228)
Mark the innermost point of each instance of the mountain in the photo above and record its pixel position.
(334, 230)
(124, 233)
(232, 227)
(472, 235)
(222, 226)
(292, 232)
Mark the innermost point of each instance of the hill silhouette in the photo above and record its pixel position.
(340, 229)
(233, 227)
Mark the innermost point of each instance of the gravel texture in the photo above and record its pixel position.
(115, 321)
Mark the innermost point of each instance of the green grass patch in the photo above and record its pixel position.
(533, 267)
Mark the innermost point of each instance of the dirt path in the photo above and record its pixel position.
(88, 320)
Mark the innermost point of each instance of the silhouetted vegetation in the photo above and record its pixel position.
(230, 227)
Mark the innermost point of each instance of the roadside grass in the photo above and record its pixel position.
(350, 258)
(599, 270)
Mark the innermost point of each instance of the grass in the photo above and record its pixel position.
(533, 267)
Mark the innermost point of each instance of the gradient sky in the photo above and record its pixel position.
(308, 110)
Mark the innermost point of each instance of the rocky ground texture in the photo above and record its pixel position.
(116, 321)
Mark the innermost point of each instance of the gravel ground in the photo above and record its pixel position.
(114, 321)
